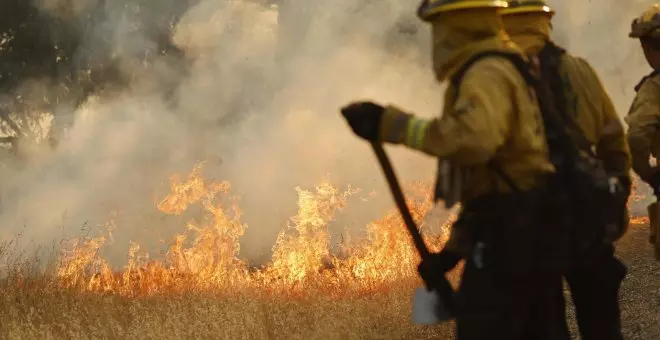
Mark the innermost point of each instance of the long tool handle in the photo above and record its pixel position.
(442, 285)
(386, 165)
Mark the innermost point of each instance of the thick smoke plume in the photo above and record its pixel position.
(263, 117)
(598, 31)
(255, 95)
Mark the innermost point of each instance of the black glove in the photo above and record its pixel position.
(364, 119)
(433, 269)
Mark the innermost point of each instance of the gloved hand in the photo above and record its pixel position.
(364, 119)
(433, 269)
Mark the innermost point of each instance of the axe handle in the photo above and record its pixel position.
(400, 200)
(442, 287)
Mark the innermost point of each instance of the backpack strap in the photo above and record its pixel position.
(563, 151)
(641, 82)
(515, 58)
(456, 80)
(550, 62)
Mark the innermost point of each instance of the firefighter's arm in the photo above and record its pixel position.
(643, 122)
(473, 129)
(612, 147)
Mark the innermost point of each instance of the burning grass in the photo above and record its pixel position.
(205, 256)
(202, 289)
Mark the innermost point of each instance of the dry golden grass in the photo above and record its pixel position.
(34, 306)
(201, 290)
(366, 296)
(37, 310)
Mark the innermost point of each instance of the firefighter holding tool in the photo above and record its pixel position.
(493, 160)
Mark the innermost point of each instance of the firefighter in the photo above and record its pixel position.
(644, 116)
(595, 284)
(493, 156)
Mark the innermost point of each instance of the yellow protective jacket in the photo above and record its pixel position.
(588, 101)
(495, 116)
(643, 121)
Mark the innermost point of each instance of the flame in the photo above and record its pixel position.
(639, 220)
(205, 257)
(638, 199)
(302, 260)
(637, 195)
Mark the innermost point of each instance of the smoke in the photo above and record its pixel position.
(264, 118)
(256, 95)
(598, 31)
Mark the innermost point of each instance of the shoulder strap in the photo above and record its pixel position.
(645, 78)
(457, 78)
(550, 63)
(562, 147)
(516, 59)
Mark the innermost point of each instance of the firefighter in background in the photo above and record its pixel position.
(594, 285)
(493, 160)
(644, 116)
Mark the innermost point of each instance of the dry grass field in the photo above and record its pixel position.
(61, 314)
(202, 291)
(37, 309)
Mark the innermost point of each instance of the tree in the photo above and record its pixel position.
(60, 54)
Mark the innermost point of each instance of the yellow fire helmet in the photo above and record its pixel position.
(429, 9)
(527, 6)
(647, 25)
